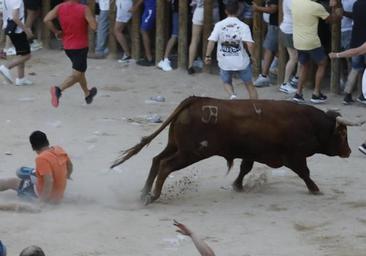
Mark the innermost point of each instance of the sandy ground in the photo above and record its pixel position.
(102, 213)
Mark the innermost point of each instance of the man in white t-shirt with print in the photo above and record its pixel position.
(14, 12)
(232, 56)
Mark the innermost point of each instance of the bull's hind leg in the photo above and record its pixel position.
(168, 151)
(245, 167)
(168, 165)
(300, 167)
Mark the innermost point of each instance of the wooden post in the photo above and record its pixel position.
(112, 44)
(161, 28)
(135, 34)
(183, 34)
(335, 63)
(207, 28)
(91, 5)
(258, 39)
(46, 34)
(282, 56)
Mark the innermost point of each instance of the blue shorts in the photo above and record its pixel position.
(26, 190)
(245, 75)
(148, 19)
(358, 62)
(317, 55)
(271, 40)
(175, 24)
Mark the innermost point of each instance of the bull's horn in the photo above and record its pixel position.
(346, 122)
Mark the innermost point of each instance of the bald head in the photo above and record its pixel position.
(32, 251)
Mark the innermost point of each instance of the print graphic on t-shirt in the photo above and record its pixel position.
(231, 43)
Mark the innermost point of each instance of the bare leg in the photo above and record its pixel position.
(351, 81)
(119, 27)
(31, 17)
(267, 60)
(196, 38)
(71, 80)
(291, 64)
(10, 183)
(84, 85)
(21, 59)
(229, 89)
(320, 75)
(169, 46)
(252, 91)
(304, 68)
(147, 47)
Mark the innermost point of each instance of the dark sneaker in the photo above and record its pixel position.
(321, 98)
(55, 96)
(191, 71)
(145, 62)
(362, 148)
(347, 100)
(298, 98)
(92, 92)
(361, 99)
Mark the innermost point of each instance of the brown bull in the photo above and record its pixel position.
(275, 133)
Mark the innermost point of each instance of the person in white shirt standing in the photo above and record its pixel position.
(13, 23)
(232, 56)
(123, 16)
(286, 27)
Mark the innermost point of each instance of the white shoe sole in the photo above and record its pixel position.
(318, 101)
(363, 102)
(298, 100)
(6, 78)
(362, 149)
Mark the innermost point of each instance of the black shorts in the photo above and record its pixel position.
(33, 5)
(20, 42)
(78, 58)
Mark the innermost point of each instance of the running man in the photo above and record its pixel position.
(74, 19)
(48, 181)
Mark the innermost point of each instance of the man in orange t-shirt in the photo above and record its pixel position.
(48, 180)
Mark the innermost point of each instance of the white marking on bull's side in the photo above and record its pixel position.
(204, 143)
(209, 114)
(257, 110)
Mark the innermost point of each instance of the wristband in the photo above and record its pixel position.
(337, 55)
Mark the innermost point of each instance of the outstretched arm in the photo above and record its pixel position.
(201, 245)
(349, 53)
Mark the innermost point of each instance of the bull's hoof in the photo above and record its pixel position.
(147, 199)
(316, 193)
(238, 188)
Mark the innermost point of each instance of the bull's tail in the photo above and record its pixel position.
(127, 154)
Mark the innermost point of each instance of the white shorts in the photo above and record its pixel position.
(122, 14)
(198, 16)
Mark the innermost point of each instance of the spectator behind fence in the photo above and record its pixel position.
(75, 18)
(32, 251)
(148, 20)
(123, 16)
(201, 246)
(101, 49)
(289, 85)
(358, 38)
(270, 43)
(230, 34)
(197, 27)
(165, 64)
(13, 23)
(306, 14)
(47, 182)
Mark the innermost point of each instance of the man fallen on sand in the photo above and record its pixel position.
(47, 182)
(201, 245)
(75, 18)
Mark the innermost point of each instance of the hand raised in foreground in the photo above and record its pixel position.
(182, 228)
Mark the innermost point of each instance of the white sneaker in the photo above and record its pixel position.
(125, 59)
(165, 65)
(23, 81)
(287, 88)
(261, 81)
(35, 46)
(294, 81)
(6, 73)
(233, 97)
(10, 51)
